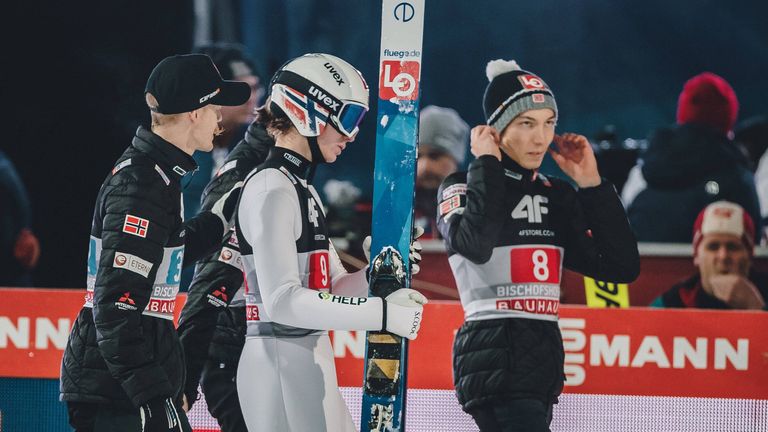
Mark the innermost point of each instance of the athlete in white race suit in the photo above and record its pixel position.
(296, 286)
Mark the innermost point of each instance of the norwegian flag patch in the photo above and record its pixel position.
(136, 226)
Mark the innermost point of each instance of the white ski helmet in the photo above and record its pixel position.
(316, 89)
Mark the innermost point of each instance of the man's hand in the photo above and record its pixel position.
(414, 255)
(575, 157)
(736, 291)
(484, 140)
(225, 206)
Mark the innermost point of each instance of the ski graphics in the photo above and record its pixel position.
(386, 360)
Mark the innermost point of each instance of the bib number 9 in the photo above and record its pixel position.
(319, 271)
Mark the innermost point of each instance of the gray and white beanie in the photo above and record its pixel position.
(511, 91)
(444, 128)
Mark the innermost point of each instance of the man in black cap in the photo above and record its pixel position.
(122, 368)
(233, 63)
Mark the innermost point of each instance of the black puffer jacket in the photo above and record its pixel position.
(508, 232)
(207, 328)
(123, 347)
(686, 168)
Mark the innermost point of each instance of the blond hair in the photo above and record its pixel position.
(157, 118)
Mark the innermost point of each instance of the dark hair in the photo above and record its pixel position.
(273, 118)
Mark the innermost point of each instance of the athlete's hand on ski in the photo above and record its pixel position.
(484, 140)
(160, 415)
(574, 155)
(403, 312)
(414, 255)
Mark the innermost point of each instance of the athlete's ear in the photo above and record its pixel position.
(195, 114)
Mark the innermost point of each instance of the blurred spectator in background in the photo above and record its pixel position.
(233, 63)
(690, 165)
(443, 138)
(443, 141)
(723, 249)
(342, 198)
(19, 248)
(752, 135)
(615, 157)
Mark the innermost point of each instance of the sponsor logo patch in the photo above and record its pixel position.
(531, 82)
(538, 98)
(334, 73)
(135, 225)
(399, 80)
(292, 159)
(125, 302)
(534, 306)
(326, 99)
(231, 257)
(450, 204)
(513, 175)
(133, 263)
(218, 297)
(210, 95)
(354, 301)
(457, 189)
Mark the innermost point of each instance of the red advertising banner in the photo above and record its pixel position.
(634, 351)
(34, 327)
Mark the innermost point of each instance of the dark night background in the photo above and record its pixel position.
(74, 73)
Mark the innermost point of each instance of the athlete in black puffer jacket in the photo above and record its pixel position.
(211, 333)
(123, 367)
(509, 232)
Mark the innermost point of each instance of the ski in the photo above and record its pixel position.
(386, 359)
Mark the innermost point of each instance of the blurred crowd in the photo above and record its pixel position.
(665, 180)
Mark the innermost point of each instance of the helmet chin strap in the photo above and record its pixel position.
(317, 157)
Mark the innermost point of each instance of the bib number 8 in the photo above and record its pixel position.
(539, 264)
(540, 269)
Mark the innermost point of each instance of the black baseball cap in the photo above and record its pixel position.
(184, 83)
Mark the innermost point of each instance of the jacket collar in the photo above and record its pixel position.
(513, 170)
(292, 161)
(175, 161)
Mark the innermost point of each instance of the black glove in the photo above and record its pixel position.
(160, 415)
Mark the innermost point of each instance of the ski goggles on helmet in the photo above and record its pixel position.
(317, 105)
(348, 120)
